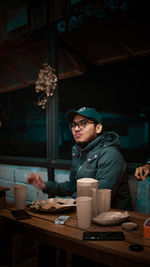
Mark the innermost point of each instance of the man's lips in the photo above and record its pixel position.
(77, 135)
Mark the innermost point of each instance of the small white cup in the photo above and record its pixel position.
(84, 211)
(20, 196)
(104, 200)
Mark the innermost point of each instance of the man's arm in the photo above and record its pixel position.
(52, 188)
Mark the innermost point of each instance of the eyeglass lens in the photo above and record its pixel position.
(81, 124)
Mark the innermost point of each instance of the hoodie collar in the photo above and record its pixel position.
(105, 139)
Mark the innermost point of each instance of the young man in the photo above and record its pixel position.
(95, 154)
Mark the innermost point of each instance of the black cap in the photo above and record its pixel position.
(89, 113)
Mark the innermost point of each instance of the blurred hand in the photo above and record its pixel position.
(142, 172)
(36, 180)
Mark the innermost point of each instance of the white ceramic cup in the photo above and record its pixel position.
(104, 200)
(20, 196)
(84, 211)
(89, 187)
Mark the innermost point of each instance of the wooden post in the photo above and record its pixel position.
(52, 104)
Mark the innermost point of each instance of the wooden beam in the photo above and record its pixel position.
(17, 74)
(3, 86)
(70, 64)
(34, 57)
(14, 88)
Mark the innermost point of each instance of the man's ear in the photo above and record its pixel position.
(99, 128)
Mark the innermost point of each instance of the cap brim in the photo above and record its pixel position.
(70, 115)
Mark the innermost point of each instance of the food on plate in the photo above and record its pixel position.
(48, 206)
(53, 204)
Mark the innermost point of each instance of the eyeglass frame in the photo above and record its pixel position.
(71, 127)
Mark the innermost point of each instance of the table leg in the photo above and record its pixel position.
(68, 259)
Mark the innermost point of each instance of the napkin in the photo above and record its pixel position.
(111, 217)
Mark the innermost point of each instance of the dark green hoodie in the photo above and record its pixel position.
(102, 160)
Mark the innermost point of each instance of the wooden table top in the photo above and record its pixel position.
(4, 188)
(69, 237)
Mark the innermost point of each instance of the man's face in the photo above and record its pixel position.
(86, 134)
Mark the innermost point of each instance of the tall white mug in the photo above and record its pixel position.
(89, 187)
(84, 211)
(104, 200)
(20, 196)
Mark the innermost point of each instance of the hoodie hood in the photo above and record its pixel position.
(109, 139)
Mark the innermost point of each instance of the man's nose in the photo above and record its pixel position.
(77, 126)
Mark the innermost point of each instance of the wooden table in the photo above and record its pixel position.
(68, 237)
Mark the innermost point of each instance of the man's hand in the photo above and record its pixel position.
(36, 180)
(142, 172)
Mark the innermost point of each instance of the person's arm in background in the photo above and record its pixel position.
(143, 171)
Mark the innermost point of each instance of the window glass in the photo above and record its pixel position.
(23, 124)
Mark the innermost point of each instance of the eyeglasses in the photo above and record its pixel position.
(81, 124)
